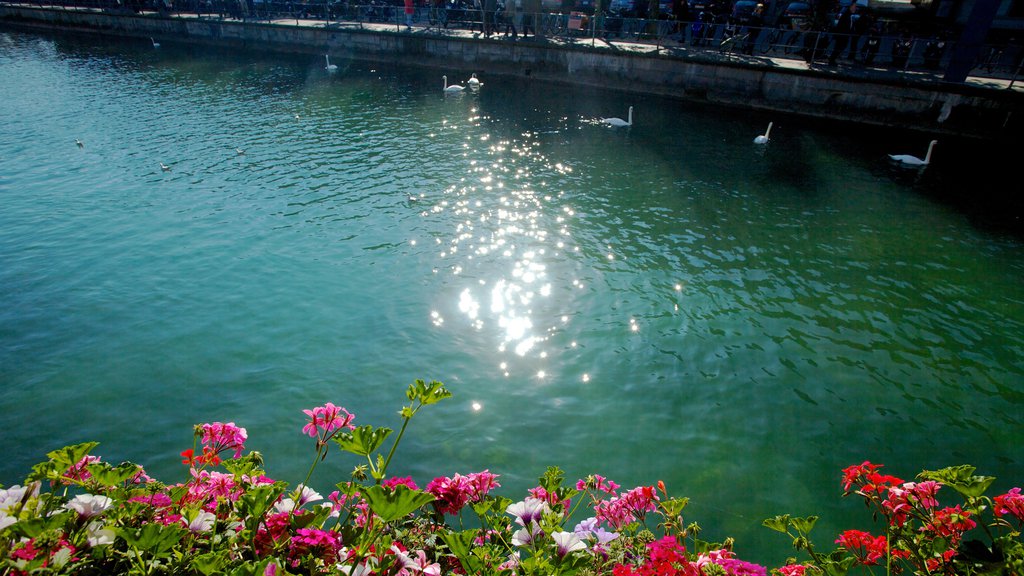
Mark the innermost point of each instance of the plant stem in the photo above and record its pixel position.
(397, 440)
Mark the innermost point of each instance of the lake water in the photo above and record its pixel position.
(668, 301)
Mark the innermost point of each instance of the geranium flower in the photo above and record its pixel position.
(526, 535)
(566, 542)
(406, 481)
(865, 547)
(950, 523)
(419, 564)
(219, 437)
(792, 570)
(15, 496)
(528, 511)
(202, 522)
(324, 420)
(89, 505)
(590, 529)
(322, 544)
(98, 534)
(1010, 504)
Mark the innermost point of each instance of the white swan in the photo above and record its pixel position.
(620, 121)
(474, 82)
(155, 43)
(79, 142)
(330, 67)
(240, 151)
(908, 160)
(763, 138)
(453, 87)
(165, 167)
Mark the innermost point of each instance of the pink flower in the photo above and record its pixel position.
(792, 570)
(903, 500)
(418, 565)
(321, 544)
(406, 481)
(632, 505)
(597, 482)
(1011, 503)
(79, 470)
(451, 493)
(950, 523)
(326, 419)
(454, 493)
(218, 437)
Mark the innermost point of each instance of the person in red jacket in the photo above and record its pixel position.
(410, 9)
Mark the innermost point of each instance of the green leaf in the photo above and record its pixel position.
(804, 525)
(778, 523)
(960, 478)
(156, 539)
(362, 441)
(427, 394)
(256, 501)
(106, 475)
(68, 456)
(674, 506)
(552, 478)
(245, 465)
(461, 545)
(210, 563)
(392, 504)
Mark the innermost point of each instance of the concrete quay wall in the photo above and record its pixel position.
(884, 98)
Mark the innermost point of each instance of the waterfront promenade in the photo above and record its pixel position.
(882, 94)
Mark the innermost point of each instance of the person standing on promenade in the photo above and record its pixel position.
(490, 10)
(512, 14)
(531, 12)
(410, 9)
(841, 32)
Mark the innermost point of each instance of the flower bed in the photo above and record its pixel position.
(229, 518)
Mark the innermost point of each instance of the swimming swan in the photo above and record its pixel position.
(453, 87)
(763, 138)
(474, 82)
(155, 43)
(165, 167)
(908, 160)
(330, 67)
(620, 121)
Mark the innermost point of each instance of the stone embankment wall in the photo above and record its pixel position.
(884, 98)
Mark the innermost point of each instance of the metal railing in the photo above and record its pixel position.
(901, 53)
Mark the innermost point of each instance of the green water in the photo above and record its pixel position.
(668, 301)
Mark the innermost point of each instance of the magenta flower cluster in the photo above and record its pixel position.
(454, 493)
(221, 437)
(325, 420)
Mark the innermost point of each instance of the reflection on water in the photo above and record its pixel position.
(666, 301)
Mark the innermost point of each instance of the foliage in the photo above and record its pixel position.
(227, 517)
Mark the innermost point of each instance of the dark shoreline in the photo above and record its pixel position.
(978, 108)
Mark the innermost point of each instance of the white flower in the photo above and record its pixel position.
(567, 542)
(525, 536)
(529, 510)
(98, 534)
(89, 505)
(203, 522)
(11, 497)
(6, 520)
(307, 494)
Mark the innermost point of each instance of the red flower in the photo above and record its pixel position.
(189, 458)
(865, 547)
